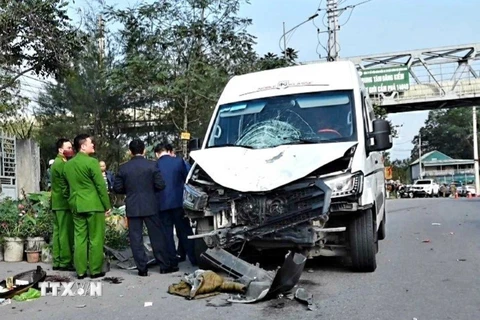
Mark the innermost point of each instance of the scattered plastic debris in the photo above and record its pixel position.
(452, 233)
(303, 296)
(4, 302)
(310, 270)
(461, 260)
(426, 241)
(148, 304)
(31, 294)
(436, 224)
(81, 306)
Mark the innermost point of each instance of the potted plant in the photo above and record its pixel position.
(2, 243)
(11, 227)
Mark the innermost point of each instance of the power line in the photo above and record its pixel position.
(332, 12)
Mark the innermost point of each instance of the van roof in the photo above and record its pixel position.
(324, 76)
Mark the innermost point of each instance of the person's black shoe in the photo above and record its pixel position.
(81, 277)
(181, 258)
(98, 275)
(69, 268)
(143, 273)
(169, 270)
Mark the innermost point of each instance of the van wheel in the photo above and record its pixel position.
(382, 229)
(363, 242)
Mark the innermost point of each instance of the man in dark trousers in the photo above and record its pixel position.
(174, 173)
(140, 179)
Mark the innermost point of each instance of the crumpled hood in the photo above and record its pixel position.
(254, 170)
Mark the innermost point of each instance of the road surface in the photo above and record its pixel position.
(436, 279)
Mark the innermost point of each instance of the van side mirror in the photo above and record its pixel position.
(194, 144)
(381, 137)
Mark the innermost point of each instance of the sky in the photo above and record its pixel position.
(375, 27)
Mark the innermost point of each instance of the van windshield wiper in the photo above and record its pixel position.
(230, 145)
(303, 141)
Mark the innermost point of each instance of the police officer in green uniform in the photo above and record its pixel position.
(89, 202)
(62, 217)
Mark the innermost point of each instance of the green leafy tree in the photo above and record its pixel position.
(448, 131)
(35, 36)
(83, 102)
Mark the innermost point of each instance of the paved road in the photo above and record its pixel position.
(414, 279)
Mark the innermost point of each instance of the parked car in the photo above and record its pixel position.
(465, 190)
(425, 188)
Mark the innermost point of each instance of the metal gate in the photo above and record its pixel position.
(8, 166)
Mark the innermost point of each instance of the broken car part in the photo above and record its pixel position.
(260, 283)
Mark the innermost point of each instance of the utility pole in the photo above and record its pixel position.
(332, 12)
(101, 53)
(101, 39)
(284, 43)
(475, 151)
(420, 153)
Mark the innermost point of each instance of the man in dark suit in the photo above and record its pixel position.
(139, 179)
(171, 201)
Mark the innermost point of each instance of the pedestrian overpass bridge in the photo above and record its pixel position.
(435, 78)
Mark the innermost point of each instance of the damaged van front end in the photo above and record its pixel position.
(239, 202)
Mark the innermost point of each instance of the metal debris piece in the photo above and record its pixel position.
(305, 297)
(125, 257)
(261, 283)
(81, 306)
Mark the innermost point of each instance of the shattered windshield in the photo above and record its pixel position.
(291, 119)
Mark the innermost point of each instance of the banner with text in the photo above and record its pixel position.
(386, 79)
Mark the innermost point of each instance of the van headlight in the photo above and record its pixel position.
(345, 184)
(194, 198)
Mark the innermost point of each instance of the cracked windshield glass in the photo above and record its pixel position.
(290, 119)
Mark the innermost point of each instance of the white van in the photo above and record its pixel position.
(291, 159)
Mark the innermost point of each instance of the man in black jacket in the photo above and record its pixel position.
(139, 179)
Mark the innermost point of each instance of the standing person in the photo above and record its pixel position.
(89, 202)
(174, 173)
(62, 217)
(139, 179)
(107, 176)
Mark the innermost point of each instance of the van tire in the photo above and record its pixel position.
(382, 232)
(363, 242)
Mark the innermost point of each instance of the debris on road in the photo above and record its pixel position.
(260, 283)
(21, 283)
(4, 302)
(113, 280)
(461, 260)
(218, 302)
(436, 224)
(305, 297)
(426, 241)
(81, 306)
(148, 304)
(203, 284)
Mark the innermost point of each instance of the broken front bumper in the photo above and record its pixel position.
(268, 216)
